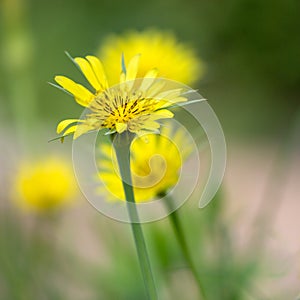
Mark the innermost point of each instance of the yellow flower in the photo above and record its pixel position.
(156, 160)
(161, 49)
(44, 185)
(134, 105)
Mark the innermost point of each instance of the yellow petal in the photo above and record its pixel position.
(149, 79)
(178, 99)
(132, 68)
(122, 79)
(82, 95)
(70, 130)
(174, 101)
(151, 74)
(151, 125)
(86, 96)
(155, 88)
(106, 150)
(99, 71)
(161, 114)
(81, 129)
(169, 94)
(108, 176)
(106, 164)
(121, 127)
(88, 72)
(64, 124)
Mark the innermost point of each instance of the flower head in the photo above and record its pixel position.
(161, 49)
(134, 105)
(44, 185)
(156, 160)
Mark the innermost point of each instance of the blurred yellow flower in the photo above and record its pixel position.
(44, 185)
(134, 105)
(174, 60)
(156, 160)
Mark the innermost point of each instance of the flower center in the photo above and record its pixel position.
(114, 107)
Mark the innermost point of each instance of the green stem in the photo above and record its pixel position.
(122, 144)
(174, 217)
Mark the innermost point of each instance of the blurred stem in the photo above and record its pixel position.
(175, 220)
(122, 144)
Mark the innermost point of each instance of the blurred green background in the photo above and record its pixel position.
(252, 80)
(251, 49)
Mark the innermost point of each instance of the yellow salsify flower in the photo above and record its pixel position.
(134, 105)
(156, 160)
(175, 60)
(44, 185)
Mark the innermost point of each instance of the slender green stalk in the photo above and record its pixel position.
(175, 220)
(122, 144)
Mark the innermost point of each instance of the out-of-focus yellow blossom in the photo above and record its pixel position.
(45, 185)
(133, 106)
(156, 160)
(174, 60)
